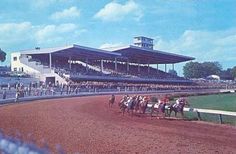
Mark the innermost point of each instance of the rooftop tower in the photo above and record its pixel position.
(143, 42)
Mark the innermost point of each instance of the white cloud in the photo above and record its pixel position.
(58, 34)
(110, 45)
(203, 45)
(54, 33)
(114, 11)
(17, 34)
(69, 13)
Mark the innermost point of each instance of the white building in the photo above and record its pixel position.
(41, 63)
(143, 42)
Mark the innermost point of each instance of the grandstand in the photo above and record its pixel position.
(75, 63)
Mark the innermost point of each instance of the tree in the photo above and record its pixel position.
(226, 74)
(173, 72)
(211, 68)
(2, 55)
(193, 70)
(201, 70)
(233, 72)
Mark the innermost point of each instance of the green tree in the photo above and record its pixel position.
(226, 74)
(233, 72)
(210, 68)
(193, 70)
(201, 70)
(2, 55)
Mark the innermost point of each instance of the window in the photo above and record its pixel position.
(14, 58)
(15, 69)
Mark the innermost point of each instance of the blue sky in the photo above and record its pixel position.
(204, 29)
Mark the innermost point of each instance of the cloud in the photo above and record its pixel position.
(110, 45)
(54, 33)
(203, 45)
(17, 34)
(114, 11)
(72, 12)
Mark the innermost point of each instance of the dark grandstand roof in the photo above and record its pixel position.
(133, 53)
(75, 52)
(144, 56)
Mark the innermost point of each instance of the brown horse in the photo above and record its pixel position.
(159, 107)
(129, 104)
(124, 104)
(143, 106)
(111, 100)
(178, 107)
(155, 108)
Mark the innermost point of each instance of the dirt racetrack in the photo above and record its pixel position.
(87, 125)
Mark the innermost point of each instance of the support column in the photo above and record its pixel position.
(138, 67)
(116, 64)
(127, 66)
(157, 68)
(220, 119)
(148, 68)
(70, 63)
(86, 65)
(173, 66)
(50, 60)
(165, 67)
(101, 65)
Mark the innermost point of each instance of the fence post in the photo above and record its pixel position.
(199, 116)
(220, 119)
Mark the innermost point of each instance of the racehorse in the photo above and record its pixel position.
(111, 100)
(126, 103)
(178, 106)
(135, 103)
(160, 106)
(143, 105)
(155, 108)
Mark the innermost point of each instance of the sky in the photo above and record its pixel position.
(204, 29)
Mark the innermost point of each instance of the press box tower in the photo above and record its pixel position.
(143, 42)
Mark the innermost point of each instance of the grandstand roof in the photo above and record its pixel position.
(133, 53)
(75, 52)
(143, 56)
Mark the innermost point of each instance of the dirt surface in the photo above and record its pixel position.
(87, 125)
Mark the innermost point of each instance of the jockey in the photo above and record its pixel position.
(164, 100)
(179, 101)
(145, 99)
(162, 105)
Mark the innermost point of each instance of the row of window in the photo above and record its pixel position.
(144, 39)
(144, 45)
(21, 69)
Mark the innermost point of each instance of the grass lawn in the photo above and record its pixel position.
(226, 102)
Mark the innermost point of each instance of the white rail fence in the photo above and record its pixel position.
(208, 111)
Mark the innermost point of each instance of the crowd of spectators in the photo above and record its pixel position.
(134, 71)
(42, 89)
